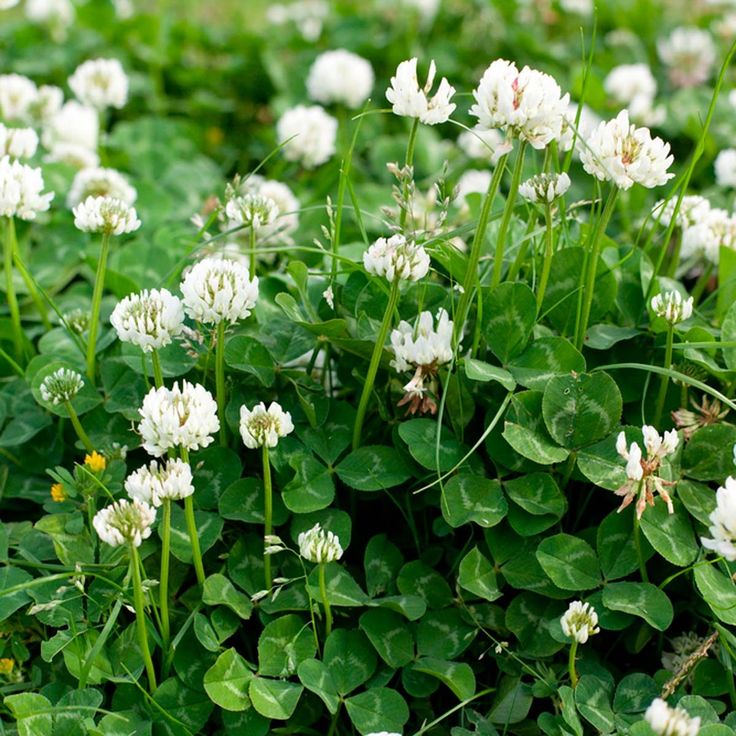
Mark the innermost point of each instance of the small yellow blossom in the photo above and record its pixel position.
(95, 462)
(6, 665)
(57, 493)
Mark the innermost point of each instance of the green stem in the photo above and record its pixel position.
(267, 512)
(164, 581)
(192, 529)
(96, 302)
(158, 375)
(637, 545)
(30, 284)
(571, 663)
(220, 380)
(409, 162)
(78, 428)
(701, 283)
(9, 246)
(548, 252)
(140, 617)
(664, 379)
(675, 257)
(252, 248)
(375, 362)
(507, 212)
(325, 600)
(333, 722)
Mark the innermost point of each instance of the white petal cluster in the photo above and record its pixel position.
(424, 344)
(124, 521)
(17, 94)
(689, 54)
(262, 427)
(308, 15)
(715, 229)
(671, 306)
(150, 320)
(153, 483)
(587, 123)
(7, 4)
(544, 188)
(578, 7)
(70, 134)
(21, 190)
(58, 15)
(619, 152)
(100, 182)
(217, 290)
(175, 417)
(396, 258)
(105, 215)
(667, 721)
(48, 102)
(723, 522)
(100, 83)
(488, 145)
(311, 134)
(18, 142)
(527, 104)
(473, 181)
(580, 621)
(320, 546)
(633, 86)
(725, 168)
(340, 77)
(253, 211)
(657, 448)
(693, 209)
(410, 100)
(60, 386)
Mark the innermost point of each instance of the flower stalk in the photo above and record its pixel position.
(164, 579)
(78, 428)
(140, 616)
(267, 512)
(192, 529)
(220, 380)
(8, 248)
(96, 303)
(548, 253)
(325, 600)
(665, 379)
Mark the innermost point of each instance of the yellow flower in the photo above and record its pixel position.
(95, 462)
(6, 665)
(57, 493)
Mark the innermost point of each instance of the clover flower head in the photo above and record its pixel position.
(580, 621)
(723, 522)
(153, 483)
(396, 257)
(693, 209)
(60, 386)
(689, 55)
(308, 135)
(18, 142)
(150, 320)
(254, 211)
(106, 215)
(100, 83)
(410, 100)
(672, 307)
(667, 721)
(634, 86)
(124, 522)
(100, 182)
(725, 168)
(17, 95)
(21, 190)
(544, 188)
(320, 546)
(262, 427)
(340, 77)
(70, 134)
(715, 229)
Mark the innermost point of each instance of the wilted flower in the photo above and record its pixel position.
(689, 54)
(723, 522)
(219, 290)
(60, 386)
(580, 621)
(411, 100)
(105, 215)
(308, 135)
(320, 546)
(17, 94)
(725, 168)
(150, 320)
(124, 521)
(340, 77)
(18, 142)
(21, 190)
(261, 427)
(253, 211)
(671, 306)
(667, 721)
(708, 412)
(175, 417)
(544, 188)
(100, 182)
(683, 648)
(396, 258)
(100, 83)
(488, 144)
(153, 483)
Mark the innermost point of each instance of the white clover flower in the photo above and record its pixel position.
(329, 296)
(633, 86)
(72, 155)
(580, 621)
(124, 521)
(261, 427)
(48, 102)
(253, 211)
(217, 290)
(423, 344)
(17, 94)
(723, 522)
(396, 258)
(671, 306)
(100, 83)
(715, 229)
(526, 104)
(488, 145)
(7, 4)
(100, 182)
(58, 15)
(340, 77)
(105, 215)
(725, 168)
(21, 190)
(473, 181)
(689, 54)
(619, 152)
(409, 100)
(72, 132)
(60, 386)
(307, 15)
(544, 188)
(153, 483)
(150, 320)
(587, 123)
(308, 135)
(175, 417)
(577, 7)
(320, 546)
(18, 142)
(667, 721)
(693, 209)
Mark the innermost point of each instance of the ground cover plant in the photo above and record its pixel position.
(367, 368)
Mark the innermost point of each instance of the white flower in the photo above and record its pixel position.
(150, 320)
(723, 522)
(715, 229)
(666, 721)
(620, 152)
(579, 7)
(693, 209)
(308, 135)
(18, 142)
(261, 427)
(60, 386)
(58, 15)
(587, 123)
(72, 154)
(489, 145)
(73, 126)
(320, 546)
(153, 483)
(634, 86)
(105, 215)
(308, 15)
(396, 258)
(252, 211)
(21, 190)
(7, 4)
(99, 182)
(423, 345)
(17, 94)
(527, 104)
(100, 83)
(545, 188)
(725, 167)
(473, 181)
(409, 100)
(124, 521)
(217, 290)
(340, 77)
(689, 54)
(580, 621)
(329, 296)
(175, 417)
(671, 306)
(48, 102)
